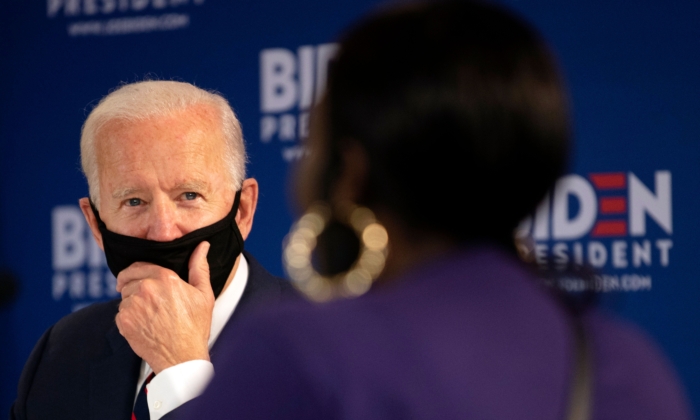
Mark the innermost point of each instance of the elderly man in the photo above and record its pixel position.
(169, 205)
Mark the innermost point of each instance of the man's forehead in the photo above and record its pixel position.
(201, 116)
(170, 130)
(182, 148)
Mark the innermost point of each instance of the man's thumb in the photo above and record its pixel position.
(199, 268)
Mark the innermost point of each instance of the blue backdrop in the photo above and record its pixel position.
(628, 206)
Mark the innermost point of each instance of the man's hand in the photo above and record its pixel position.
(166, 320)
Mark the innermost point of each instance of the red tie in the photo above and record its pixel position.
(141, 407)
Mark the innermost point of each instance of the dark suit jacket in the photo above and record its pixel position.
(82, 368)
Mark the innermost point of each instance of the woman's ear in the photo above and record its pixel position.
(308, 173)
(352, 176)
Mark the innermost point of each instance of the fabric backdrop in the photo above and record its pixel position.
(628, 206)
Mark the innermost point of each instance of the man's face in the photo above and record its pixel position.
(163, 177)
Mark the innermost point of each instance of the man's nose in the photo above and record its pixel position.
(163, 226)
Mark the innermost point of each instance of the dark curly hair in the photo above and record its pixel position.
(457, 102)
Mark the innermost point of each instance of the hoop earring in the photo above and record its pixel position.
(301, 242)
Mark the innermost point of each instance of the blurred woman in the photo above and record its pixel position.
(444, 123)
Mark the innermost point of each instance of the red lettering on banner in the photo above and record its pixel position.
(610, 228)
(609, 181)
(613, 205)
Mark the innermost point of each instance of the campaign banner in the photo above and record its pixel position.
(626, 207)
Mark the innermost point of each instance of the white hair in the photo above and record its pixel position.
(155, 98)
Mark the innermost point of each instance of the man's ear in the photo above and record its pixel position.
(91, 220)
(246, 207)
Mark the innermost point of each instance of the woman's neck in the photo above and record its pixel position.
(409, 247)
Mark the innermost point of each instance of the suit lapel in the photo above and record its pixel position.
(261, 289)
(113, 380)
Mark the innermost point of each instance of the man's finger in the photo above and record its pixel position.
(139, 271)
(130, 288)
(199, 268)
(135, 271)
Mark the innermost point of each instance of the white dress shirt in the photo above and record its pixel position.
(178, 384)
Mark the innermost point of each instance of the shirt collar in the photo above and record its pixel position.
(227, 301)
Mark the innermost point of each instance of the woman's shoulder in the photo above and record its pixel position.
(633, 376)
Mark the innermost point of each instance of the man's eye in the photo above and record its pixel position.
(133, 202)
(190, 195)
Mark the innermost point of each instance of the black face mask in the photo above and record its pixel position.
(223, 236)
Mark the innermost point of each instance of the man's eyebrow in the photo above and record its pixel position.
(124, 192)
(195, 185)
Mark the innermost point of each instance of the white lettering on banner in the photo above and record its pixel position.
(607, 283)
(641, 253)
(290, 83)
(68, 237)
(72, 8)
(303, 125)
(643, 202)
(60, 285)
(130, 25)
(598, 255)
(120, 25)
(290, 154)
(324, 54)
(277, 85)
(306, 76)
(561, 258)
(287, 125)
(80, 269)
(77, 285)
(542, 220)
(268, 127)
(601, 221)
(619, 252)
(564, 228)
(664, 245)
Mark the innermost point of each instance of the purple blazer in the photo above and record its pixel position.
(469, 336)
